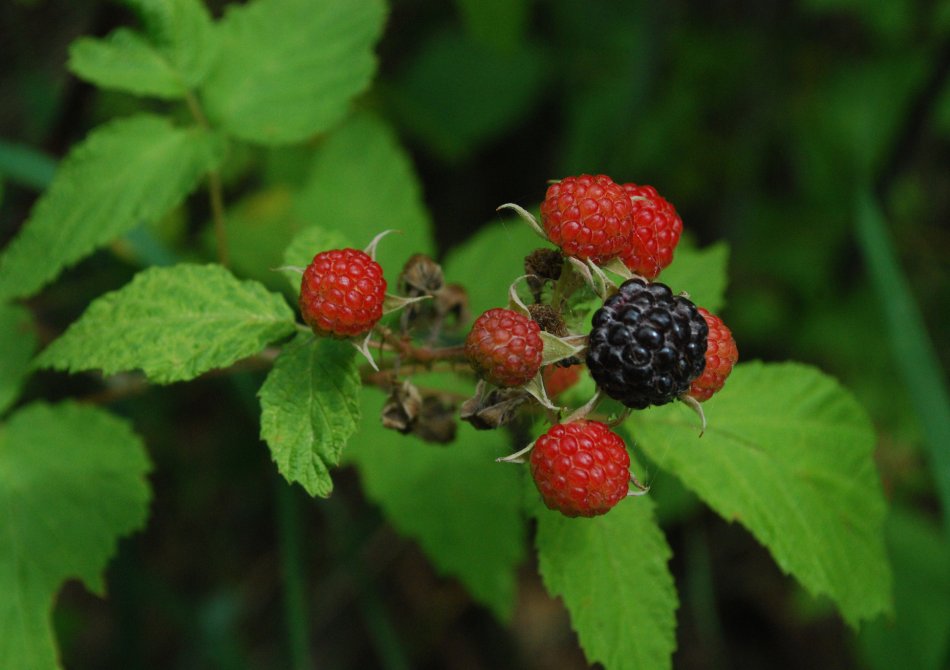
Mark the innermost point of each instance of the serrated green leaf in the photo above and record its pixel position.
(307, 244)
(702, 273)
(462, 507)
(362, 182)
(182, 31)
(126, 172)
(309, 409)
(612, 573)
(17, 344)
(72, 481)
(487, 263)
(173, 323)
(127, 62)
(289, 68)
(787, 453)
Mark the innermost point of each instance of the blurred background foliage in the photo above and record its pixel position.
(812, 136)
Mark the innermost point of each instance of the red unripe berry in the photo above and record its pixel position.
(342, 293)
(558, 379)
(588, 217)
(656, 231)
(504, 347)
(721, 356)
(581, 468)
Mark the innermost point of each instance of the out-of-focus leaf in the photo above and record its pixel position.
(17, 343)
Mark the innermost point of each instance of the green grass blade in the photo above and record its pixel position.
(911, 345)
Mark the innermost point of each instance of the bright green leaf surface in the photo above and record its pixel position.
(701, 273)
(612, 573)
(490, 260)
(362, 182)
(289, 68)
(173, 323)
(462, 507)
(788, 454)
(310, 408)
(183, 33)
(127, 62)
(123, 173)
(72, 480)
(17, 343)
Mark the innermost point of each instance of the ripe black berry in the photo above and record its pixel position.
(647, 345)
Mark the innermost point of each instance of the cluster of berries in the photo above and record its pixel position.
(644, 346)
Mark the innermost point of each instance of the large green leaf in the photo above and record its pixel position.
(17, 343)
(288, 68)
(490, 260)
(789, 454)
(462, 507)
(362, 182)
(612, 573)
(125, 61)
(126, 172)
(72, 480)
(701, 273)
(173, 323)
(310, 408)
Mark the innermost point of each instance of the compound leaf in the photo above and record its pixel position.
(72, 481)
(288, 68)
(173, 323)
(128, 171)
(462, 507)
(17, 344)
(612, 573)
(789, 454)
(310, 408)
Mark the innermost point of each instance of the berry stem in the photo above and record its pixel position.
(215, 189)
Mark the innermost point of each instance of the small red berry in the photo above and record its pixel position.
(504, 347)
(588, 217)
(656, 231)
(342, 293)
(558, 379)
(721, 355)
(581, 468)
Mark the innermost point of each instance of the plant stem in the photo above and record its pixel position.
(295, 611)
(215, 190)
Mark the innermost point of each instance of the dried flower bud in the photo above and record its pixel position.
(402, 408)
(436, 421)
(420, 276)
(496, 409)
(548, 319)
(452, 301)
(544, 264)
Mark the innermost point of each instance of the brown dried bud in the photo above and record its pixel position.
(402, 408)
(548, 319)
(420, 276)
(544, 264)
(496, 409)
(452, 301)
(436, 420)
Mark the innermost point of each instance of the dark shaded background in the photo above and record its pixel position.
(759, 120)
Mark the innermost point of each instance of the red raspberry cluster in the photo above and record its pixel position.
(592, 217)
